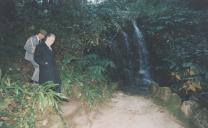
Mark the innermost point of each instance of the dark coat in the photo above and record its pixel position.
(48, 70)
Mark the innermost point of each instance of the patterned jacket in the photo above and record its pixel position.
(30, 46)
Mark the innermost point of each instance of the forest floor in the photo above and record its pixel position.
(121, 111)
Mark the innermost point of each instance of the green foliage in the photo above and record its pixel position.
(20, 103)
(66, 79)
(86, 79)
(181, 32)
(174, 27)
(93, 94)
(175, 32)
(96, 71)
(95, 65)
(77, 24)
(80, 25)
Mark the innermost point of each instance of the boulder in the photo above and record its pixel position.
(188, 107)
(165, 94)
(153, 89)
(175, 99)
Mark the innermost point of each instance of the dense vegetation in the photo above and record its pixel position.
(174, 30)
(22, 104)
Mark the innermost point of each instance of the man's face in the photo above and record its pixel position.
(51, 40)
(41, 36)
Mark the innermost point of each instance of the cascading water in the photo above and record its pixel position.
(128, 58)
(131, 57)
(143, 54)
(143, 74)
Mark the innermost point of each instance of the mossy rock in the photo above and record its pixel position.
(165, 94)
(175, 99)
(153, 88)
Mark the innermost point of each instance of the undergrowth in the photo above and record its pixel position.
(23, 104)
(85, 79)
(19, 102)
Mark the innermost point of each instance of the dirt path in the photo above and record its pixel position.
(124, 111)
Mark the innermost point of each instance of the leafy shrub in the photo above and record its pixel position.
(86, 79)
(95, 65)
(20, 103)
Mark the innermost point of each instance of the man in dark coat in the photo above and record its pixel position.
(45, 58)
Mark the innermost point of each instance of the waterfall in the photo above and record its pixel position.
(131, 57)
(143, 74)
(128, 58)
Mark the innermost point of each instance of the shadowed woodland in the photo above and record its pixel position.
(94, 58)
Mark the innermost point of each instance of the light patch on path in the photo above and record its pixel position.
(125, 111)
